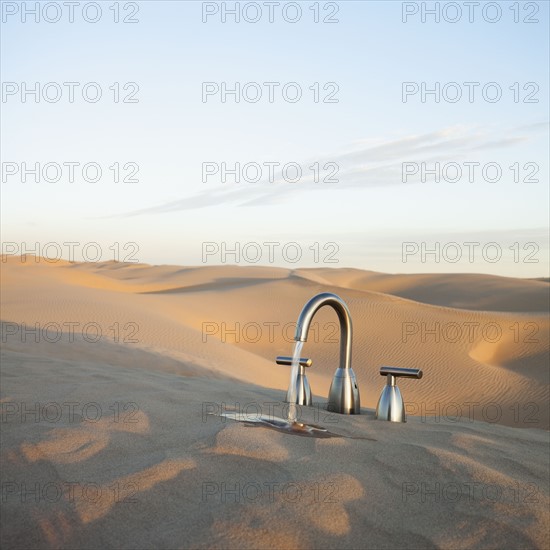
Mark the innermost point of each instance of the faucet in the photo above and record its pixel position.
(390, 405)
(343, 395)
(303, 391)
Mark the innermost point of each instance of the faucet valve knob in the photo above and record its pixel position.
(390, 405)
(394, 372)
(304, 361)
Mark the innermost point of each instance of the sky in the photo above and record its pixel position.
(350, 160)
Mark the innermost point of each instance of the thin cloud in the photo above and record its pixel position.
(372, 164)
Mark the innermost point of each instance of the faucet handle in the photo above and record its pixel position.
(390, 405)
(304, 361)
(302, 391)
(402, 372)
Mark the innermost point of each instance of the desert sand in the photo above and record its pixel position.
(109, 370)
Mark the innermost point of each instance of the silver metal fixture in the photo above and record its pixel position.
(390, 405)
(343, 394)
(303, 391)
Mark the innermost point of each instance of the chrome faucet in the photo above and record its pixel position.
(390, 405)
(303, 391)
(343, 394)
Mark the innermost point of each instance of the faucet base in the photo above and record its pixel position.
(343, 396)
(390, 405)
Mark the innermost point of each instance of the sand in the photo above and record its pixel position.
(107, 444)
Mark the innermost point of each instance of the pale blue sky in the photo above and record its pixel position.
(369, 133)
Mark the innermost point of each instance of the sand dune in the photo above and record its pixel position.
(466, 291)
(172, 338)
(235, 320)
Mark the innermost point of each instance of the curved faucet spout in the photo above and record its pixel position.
(343, 394)
(309, 311)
